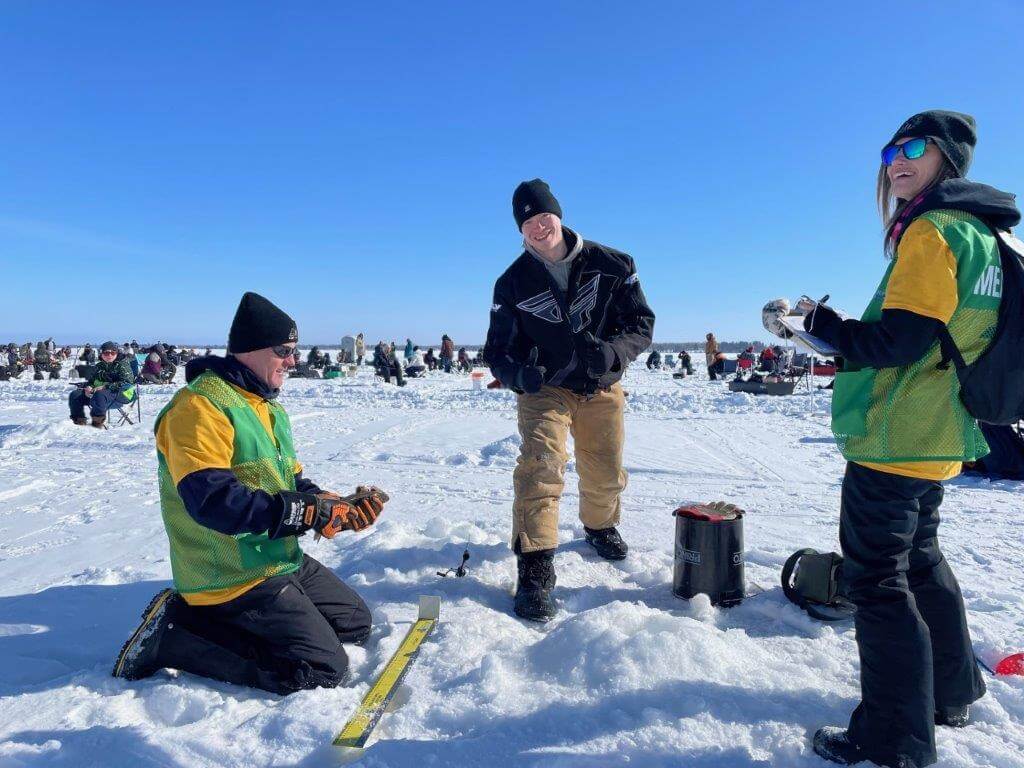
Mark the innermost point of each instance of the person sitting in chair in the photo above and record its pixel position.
(113, 384)
(387, 365)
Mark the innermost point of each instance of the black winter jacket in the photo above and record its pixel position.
(529, 310)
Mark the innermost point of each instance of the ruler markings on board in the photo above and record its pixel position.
(360, 726)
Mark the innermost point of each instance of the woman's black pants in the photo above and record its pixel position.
(915, 651)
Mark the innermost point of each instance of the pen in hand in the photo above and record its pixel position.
(814, 311)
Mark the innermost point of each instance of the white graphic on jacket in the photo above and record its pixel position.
(584, 303)
(543, 305)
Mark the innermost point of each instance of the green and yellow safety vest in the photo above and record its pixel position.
(203, 559)
(913, 412)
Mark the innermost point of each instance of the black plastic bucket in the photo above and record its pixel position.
(709, 554)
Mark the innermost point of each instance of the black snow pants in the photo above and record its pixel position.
(283, 635)
(915, 651)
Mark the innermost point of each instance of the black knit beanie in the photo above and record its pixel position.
(108, 346)
(953, 133)
(259, 324)
(531, 198)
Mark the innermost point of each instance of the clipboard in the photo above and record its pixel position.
(795, 325)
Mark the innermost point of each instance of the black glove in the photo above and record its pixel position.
(598, 356)
(308, 511)
(823, 322)
(530, 376)
(325, 513)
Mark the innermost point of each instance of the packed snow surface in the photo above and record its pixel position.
(626, 674)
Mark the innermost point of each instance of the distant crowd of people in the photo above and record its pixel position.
(158, 363)
(47, 359)
(771, 360)
(413, 363)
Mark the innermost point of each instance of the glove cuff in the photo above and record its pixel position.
(298, 513)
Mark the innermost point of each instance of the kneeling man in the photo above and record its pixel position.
(248, 606)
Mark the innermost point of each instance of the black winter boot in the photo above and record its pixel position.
(536, 580)
(137, 658)
(833, 744)
(954, 717)
(607, 542)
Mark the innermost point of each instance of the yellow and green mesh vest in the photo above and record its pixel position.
(203, 559)
(914, 413)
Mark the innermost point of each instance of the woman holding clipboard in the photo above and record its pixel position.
(900, 425)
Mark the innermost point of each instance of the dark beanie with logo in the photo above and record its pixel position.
(954, 133)
(531, 198)
(259, 324)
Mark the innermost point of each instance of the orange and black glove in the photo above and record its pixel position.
(325, 513)
(328, 513)
(331, 515)
(367, 504)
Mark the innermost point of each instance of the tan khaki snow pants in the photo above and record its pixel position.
(546, 419)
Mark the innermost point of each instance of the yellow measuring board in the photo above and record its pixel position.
(359, 727)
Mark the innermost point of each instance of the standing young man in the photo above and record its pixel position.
(568, 317)
(248, 606)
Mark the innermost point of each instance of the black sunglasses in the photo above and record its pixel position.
(283, 351)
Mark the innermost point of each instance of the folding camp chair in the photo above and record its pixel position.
(125, 411)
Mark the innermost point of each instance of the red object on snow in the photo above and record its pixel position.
(825, 369)
(715, 512)
(1011, 665)
(495, 385)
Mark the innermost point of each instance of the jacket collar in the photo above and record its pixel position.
(232, 371)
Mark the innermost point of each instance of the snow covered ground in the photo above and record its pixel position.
(627, 673)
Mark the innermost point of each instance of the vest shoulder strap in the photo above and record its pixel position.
(217, 391)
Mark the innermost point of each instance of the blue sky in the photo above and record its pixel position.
(356, 164)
